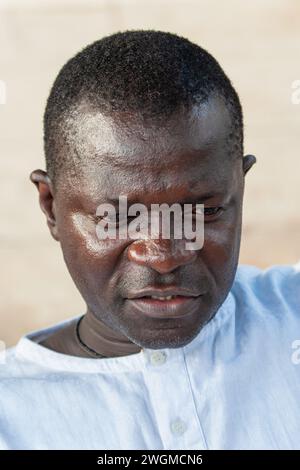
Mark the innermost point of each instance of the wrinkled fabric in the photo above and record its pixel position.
(235, 386)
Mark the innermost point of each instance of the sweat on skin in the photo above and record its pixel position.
(185, 160)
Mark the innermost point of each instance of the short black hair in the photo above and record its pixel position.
(145, 71)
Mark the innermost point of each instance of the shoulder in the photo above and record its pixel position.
(13, 367)
(271, 282)
(28, 359)
(275, 289)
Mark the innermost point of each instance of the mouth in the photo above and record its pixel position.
(166, 305)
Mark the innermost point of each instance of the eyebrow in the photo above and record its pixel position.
(190, 199)
(203, 197)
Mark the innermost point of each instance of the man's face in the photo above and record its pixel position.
(187, 160)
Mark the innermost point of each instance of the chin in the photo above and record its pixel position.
(166, 338)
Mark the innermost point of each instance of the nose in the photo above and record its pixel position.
(162, 255)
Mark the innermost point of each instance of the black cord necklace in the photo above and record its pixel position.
(85, 346)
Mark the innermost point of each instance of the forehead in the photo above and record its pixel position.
(124, 154)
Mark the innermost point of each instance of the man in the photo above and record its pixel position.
(178, 348)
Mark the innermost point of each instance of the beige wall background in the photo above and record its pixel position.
(258, 45)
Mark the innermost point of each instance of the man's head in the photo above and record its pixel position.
(153, 117)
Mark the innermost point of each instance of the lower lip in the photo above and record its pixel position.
(178, 307)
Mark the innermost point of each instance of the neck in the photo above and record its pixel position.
(102, 339)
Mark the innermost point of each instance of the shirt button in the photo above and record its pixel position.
(178, 427)
(158, 357)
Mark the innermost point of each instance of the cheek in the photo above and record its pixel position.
(91, 262)
(221, 247)
(219, 256)
(222, 239)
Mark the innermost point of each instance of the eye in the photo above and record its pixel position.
(212, 212)
(118, 221)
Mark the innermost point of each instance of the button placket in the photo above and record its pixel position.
(172, 400)
(158, 357)
(178, 427)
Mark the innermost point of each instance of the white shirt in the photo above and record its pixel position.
(235, 386)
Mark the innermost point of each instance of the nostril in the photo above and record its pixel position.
(138, 251)
(161, 256)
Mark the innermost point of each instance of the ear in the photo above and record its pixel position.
(248, 162)
(46, 199)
